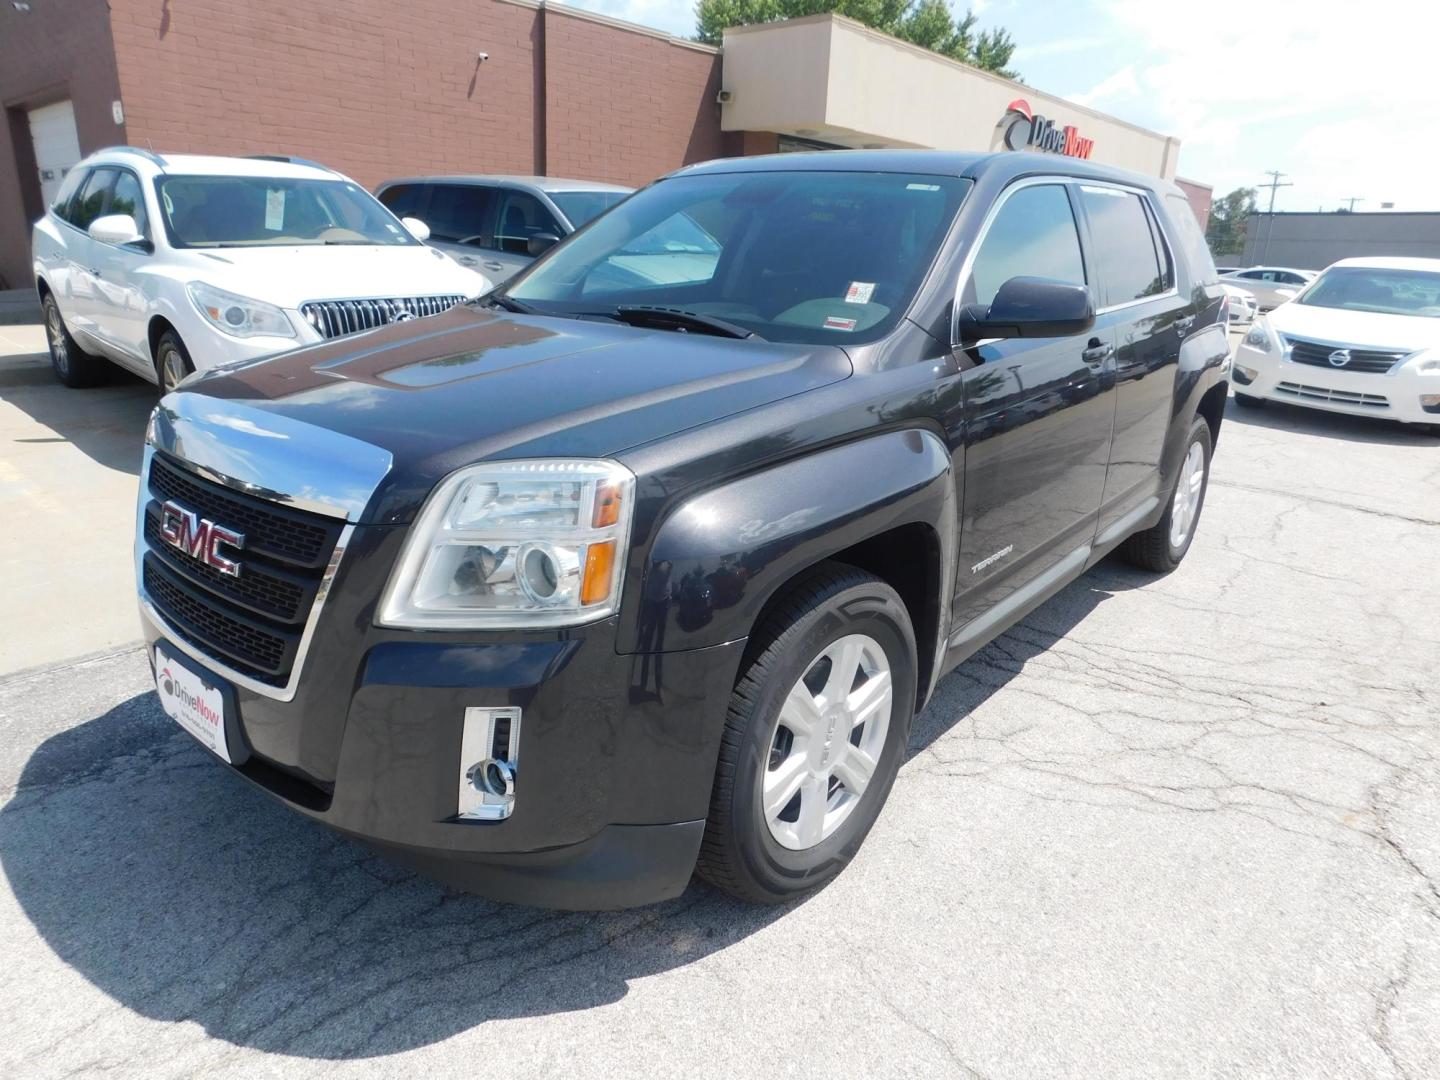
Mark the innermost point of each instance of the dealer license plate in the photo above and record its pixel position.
(194, 704)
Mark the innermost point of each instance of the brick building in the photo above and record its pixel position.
(378, 91)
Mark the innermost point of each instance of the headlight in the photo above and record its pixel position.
(1259, 336)
(515, 544)
(239, 316)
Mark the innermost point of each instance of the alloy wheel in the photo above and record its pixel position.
(172, 368)
(1186, 507)
(827, 741)
(55, 331)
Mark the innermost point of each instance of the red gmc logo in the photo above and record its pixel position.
(200, 538)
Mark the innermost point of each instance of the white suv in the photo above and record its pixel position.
(166, 265)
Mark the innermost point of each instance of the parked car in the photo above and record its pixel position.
(498, 224)
(1270, 285)
(594, 581)
(168, 264)
(1364, 338)
(1242, 307)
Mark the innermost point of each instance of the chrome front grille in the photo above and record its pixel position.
(253, 622)
(1365, 361)
(1333, 397)
(336, 318)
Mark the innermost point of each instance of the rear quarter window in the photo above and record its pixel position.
(1185, 231)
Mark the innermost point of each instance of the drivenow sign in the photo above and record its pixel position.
(1023, 128)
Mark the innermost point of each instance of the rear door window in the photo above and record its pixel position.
(1033, 235)
(1128, 265)
(521, 216)
(460, 213)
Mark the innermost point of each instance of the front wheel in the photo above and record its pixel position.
(1161, 548)
(72, 365)
(172, 361)
(815, 733)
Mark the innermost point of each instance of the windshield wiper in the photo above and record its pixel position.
(508, 303)
(692, 322)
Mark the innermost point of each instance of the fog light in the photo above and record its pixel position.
(1430, 402)
(489, 747)
(1243, 375)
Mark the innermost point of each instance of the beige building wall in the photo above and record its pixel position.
(829, 78)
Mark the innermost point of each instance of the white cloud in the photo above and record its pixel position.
(1340, 96)
(1121, 85)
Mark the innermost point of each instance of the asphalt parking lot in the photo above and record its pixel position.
(1186, 826)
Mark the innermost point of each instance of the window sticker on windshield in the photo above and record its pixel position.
(922, 187)
(274, 210)
(859, 292)
(834, 322)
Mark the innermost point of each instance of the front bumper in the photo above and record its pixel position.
(1391, 396)
(616, 761)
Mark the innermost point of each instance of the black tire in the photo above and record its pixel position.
(1154, 549)
(171, 359)
(739, 853)
(72, 365)
(1246, 401)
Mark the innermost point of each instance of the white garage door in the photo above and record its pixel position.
(57, 147)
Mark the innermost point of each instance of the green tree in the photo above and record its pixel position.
(1226, 231)
(927, 23)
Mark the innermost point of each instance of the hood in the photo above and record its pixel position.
(289, 276)
(447, 391)
(1370, 329)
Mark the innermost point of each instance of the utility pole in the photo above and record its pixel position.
(1274, 184)
(1352, 201)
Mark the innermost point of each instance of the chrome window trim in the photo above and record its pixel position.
(174, 639)
(1068, 181)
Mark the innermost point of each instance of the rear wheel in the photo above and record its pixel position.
(72, 365)
(1247, 401)
(815, 733)
(1162, 547)
(172, 361)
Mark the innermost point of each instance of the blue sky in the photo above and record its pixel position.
(1342, 96)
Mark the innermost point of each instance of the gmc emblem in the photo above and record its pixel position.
(200, 538)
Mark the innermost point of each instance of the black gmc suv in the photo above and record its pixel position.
(644, 564)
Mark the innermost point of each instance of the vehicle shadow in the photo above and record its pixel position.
(1279, 416)
(106, 422)
(186, 894)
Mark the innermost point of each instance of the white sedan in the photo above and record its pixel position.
(1363, 338)
(1243, 306)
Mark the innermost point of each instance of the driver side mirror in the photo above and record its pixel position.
(1030, 307)
(115, 229)
(540, 243)
(416, 228)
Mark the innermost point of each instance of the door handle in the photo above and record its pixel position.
(93, 270)
(1183, 324)
(491, 264)
(465, 260)
(1097, 353)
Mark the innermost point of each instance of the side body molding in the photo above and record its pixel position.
(720, 555)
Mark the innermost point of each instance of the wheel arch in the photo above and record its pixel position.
(154, 330)
(1212, 408)
(721, 559)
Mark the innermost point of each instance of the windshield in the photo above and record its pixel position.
(255, 211)
(810, 257)
(1391, 292)
(582, 207)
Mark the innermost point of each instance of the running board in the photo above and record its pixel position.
(1019, 602)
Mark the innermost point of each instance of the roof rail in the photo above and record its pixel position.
(289, 160)
(150, 154)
